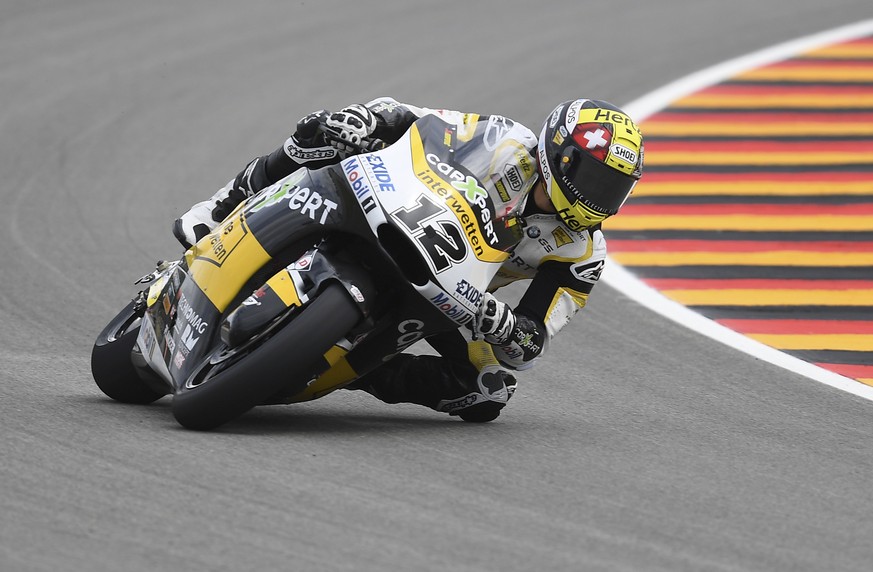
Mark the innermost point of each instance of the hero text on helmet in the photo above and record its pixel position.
(591, 156)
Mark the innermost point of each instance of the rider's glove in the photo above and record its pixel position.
(350, 126)
(495, 320)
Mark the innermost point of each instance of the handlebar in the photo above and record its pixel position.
(367, 145)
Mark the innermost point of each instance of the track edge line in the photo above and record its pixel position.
(619, 278)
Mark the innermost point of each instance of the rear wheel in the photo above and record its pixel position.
(234, 382)
(111, 366)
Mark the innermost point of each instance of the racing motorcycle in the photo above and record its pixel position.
(319, 279)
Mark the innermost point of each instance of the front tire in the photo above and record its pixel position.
(291, 356)
(111, 367)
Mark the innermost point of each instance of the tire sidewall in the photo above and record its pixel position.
(287, 359)
(111, 366)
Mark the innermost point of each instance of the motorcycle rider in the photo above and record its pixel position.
(582, 168)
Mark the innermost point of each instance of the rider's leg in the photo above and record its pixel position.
(448, 383)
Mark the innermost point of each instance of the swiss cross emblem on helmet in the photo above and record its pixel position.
(595, 138)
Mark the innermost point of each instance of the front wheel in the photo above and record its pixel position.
(291, 356)
(111, 365)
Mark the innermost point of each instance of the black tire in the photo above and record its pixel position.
(111, 366)
(288, 358)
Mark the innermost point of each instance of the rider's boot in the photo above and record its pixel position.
(451, 387)
(205, 216)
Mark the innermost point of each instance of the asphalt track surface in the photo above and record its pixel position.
(638, 445)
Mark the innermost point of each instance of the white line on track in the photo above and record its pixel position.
(619, 278)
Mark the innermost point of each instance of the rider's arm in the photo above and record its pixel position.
(307, 147)
(559, 290)
(393, 118)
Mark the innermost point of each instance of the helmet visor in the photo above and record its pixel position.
(592, 184)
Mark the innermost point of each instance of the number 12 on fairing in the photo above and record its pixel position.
(443, 240)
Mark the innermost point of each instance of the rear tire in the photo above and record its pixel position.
(111, 366)
(288, 358)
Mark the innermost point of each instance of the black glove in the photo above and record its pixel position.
(495, 321)
(349, 127)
